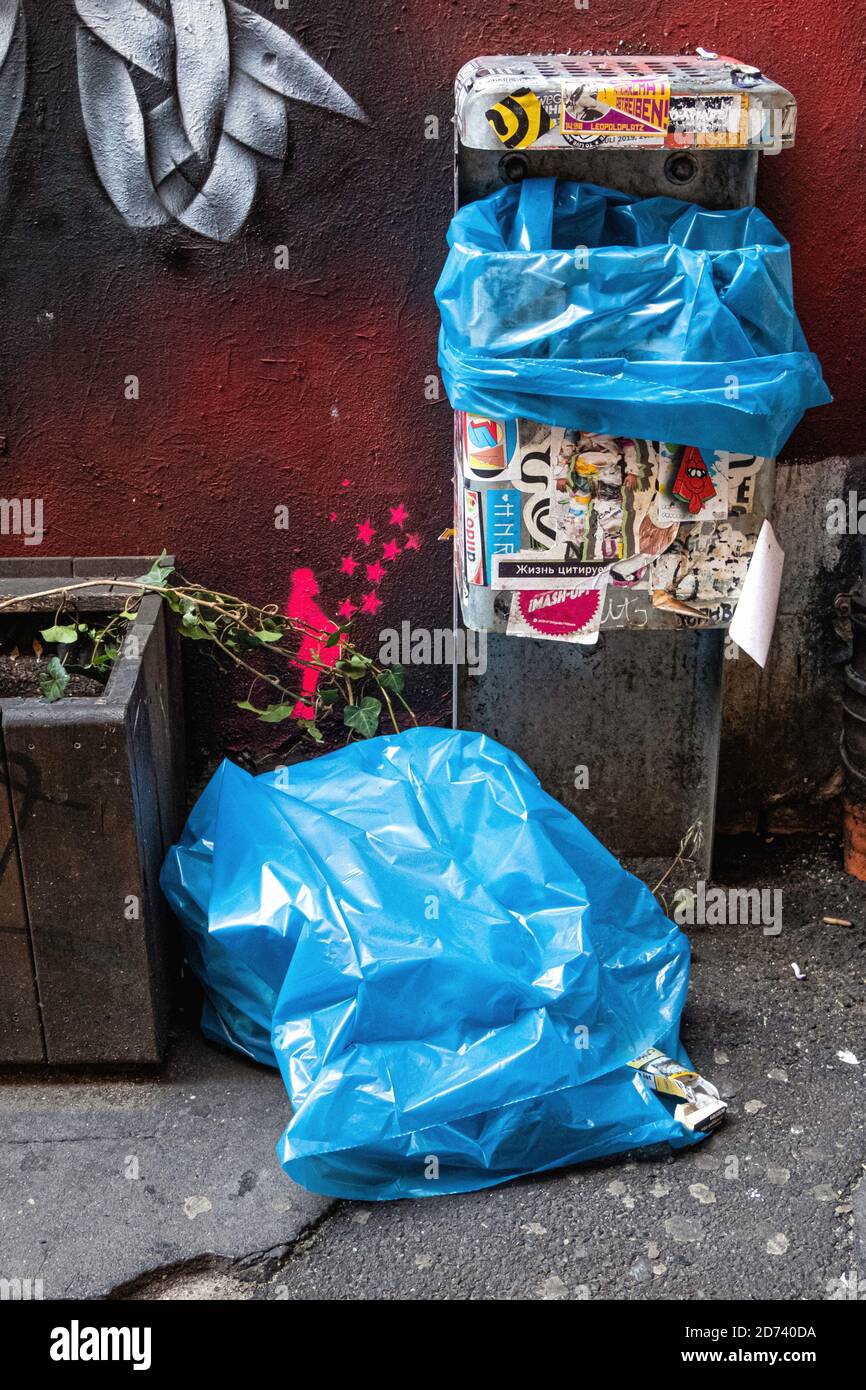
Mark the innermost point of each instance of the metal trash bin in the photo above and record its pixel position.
(620, 717)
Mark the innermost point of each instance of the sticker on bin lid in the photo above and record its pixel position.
(616, 111)
(702, 1108)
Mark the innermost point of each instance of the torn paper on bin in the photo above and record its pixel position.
(755, 616)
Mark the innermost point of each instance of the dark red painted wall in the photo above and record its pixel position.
(306, 386)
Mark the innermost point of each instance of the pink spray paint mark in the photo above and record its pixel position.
(302, 606)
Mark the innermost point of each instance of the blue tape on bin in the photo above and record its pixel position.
(458, 971)
(650, 318)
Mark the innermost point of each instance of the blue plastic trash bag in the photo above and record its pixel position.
(459, 972)
(238, 1005)
(646, 317)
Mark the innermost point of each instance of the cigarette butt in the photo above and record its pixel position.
(662, 599)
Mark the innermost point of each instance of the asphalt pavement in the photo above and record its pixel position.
(167, 1185)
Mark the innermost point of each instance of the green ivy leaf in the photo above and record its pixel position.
(158, 572)
(354, 666)
(328, 697)
(275, 714)
(105, 658)
(245, 704)
(313, 730)
(194, 626)
(54, 679)
(265, 635)
(60, 632)
(393, 678)
(363, 719)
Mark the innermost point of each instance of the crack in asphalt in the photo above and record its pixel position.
(265, 1263)
(83, 1139)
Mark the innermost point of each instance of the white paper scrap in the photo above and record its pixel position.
(755, 616)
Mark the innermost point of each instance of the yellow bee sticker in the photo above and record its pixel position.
(519, 119)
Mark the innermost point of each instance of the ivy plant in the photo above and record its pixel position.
(270, 647)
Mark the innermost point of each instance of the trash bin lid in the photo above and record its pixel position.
(640, 101)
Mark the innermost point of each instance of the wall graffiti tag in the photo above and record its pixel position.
(13, 53)
(222, 75)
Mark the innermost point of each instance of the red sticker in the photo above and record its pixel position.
(558, 612)
(693, 484)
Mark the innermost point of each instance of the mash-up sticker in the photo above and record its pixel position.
(559, 615)
(519, 119)
(637, 110)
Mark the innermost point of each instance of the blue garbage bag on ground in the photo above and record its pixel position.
(457, 972)
(645, 317)
(238, 1004)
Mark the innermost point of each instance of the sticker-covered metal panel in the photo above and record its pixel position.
(556, 101)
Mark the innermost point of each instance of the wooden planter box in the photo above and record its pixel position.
(92, 795)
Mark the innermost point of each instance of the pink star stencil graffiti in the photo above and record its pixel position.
(303, 602)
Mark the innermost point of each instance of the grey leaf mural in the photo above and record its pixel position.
(224, 75)
(13, 55)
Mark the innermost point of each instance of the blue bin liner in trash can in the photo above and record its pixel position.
(458, 973)
(646, 317)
